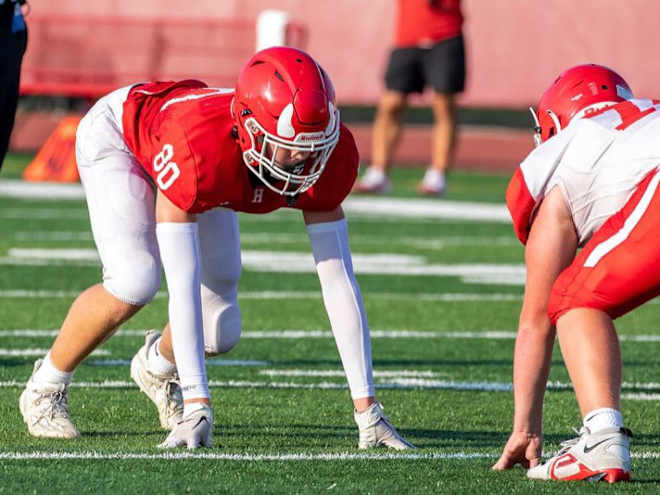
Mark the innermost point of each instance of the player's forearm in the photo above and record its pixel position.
(179, 251)
(343, 303)
(531, 367)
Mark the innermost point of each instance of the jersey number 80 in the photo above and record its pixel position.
(167, 170)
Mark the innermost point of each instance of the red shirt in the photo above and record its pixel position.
(181, 134)
(425, 22)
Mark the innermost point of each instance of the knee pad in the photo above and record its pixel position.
(222, 321)
(136, 281)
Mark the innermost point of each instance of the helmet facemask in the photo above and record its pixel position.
(290, 180)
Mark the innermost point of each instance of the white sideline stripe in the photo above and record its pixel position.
(346, 456)
(609, 244)
(326, 334)
(401, 383)
(209, 362)
(41, 352)
(173, 456)
(446, 297)
(397, 207)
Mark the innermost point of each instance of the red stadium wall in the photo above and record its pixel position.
(515, 47)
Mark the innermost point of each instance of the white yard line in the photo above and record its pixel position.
(209, 362)
(289, 238)
(44, 214)
(303, 262)
(280, 457)
(12, 188)
(340, 373)
(393, 207)
(172, 456)
(401, 383)
(326, 334)
(41, 352)
(441, 297)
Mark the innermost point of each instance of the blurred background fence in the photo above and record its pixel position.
(514, 50)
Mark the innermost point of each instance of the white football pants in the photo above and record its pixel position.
(121, 202)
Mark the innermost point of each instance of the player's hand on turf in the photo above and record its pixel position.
(375, 430)
(522, 448)
(193, 431)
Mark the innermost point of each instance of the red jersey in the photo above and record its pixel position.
(425, 22)
(182, 135)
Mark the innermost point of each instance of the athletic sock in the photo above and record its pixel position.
(157, 363)
(48, 373)
(602, 418)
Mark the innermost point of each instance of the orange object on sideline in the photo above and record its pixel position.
(56, 160)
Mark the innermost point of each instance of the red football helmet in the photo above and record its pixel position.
(285, 104)
(575, 91)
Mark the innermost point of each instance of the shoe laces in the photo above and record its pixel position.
(566, 445)
(57, 405)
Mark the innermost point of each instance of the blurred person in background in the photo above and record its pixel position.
(13, 40)
(586, 204)
(165, 167)
(428, 51)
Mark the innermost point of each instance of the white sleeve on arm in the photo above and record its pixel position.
(343, 302)
(180, 255)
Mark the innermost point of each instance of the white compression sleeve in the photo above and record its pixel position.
(179, 252)
(343, 302)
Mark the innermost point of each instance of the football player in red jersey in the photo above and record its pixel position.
(591, 183)
(165, 167)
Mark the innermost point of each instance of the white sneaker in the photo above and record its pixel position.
(604, 455)
(163, 390)
(433, 184)
(375, 429)
(193, 431)
(374, 181)
(45, 410)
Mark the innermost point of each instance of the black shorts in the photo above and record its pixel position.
(11, 56)
(441, 66)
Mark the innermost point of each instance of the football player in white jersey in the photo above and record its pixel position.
(591, 183)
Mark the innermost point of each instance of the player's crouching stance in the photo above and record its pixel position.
(165, 166)
(593, 183)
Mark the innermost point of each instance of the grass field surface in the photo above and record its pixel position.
(442, 296)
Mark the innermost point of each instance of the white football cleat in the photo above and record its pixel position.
(433, 184)
(163, 390)
(604, 455)
(374, 181)
(45, 410)
(375, 430)
(193, 431)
